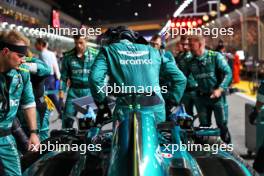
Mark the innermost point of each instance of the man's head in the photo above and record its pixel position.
(220, 47)
(179, 47)
(41, 44)
(115, 34)
(80, 43)
(13, 48)
(156, 41)
(185, 43)
(197, 45)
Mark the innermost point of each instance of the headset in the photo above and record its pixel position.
(113, 35)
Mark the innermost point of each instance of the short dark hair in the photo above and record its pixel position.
(155, 37)
(115, 34)
(41, 41)
(220, 45)
(78, 36)
(184, 37)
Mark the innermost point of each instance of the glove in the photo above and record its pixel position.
(253, 116)
(104, 112)
(233, 90)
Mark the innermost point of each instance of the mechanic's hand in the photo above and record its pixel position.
(253, 116)
(217, 93)
(33, 142)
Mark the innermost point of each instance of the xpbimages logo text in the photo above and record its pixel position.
(190, 147)
(68, 31)
(51, 147)
(127, 89)
(205, 31)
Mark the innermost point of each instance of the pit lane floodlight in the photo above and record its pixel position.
(12, 26)
(4, 24)
(181, 8)
(176, 13)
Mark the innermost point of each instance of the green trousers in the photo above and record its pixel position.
(69, 112)
(206, 106)
(189, 100)
(9, 156)
(44, 127)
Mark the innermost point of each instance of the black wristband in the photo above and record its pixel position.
(36, 131)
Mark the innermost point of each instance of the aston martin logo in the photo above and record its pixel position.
(134, 53)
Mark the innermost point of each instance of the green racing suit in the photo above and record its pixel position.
(169, 55)
(136, 66)
(190, 95)
(211, 71)
(77, 71)
(38, 73)
(15, 90)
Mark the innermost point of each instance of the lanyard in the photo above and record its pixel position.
(3, 85)
(4, 93)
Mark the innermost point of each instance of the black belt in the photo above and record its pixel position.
(5, 132)
(204, 94)
(190, 89)
(143, 100)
